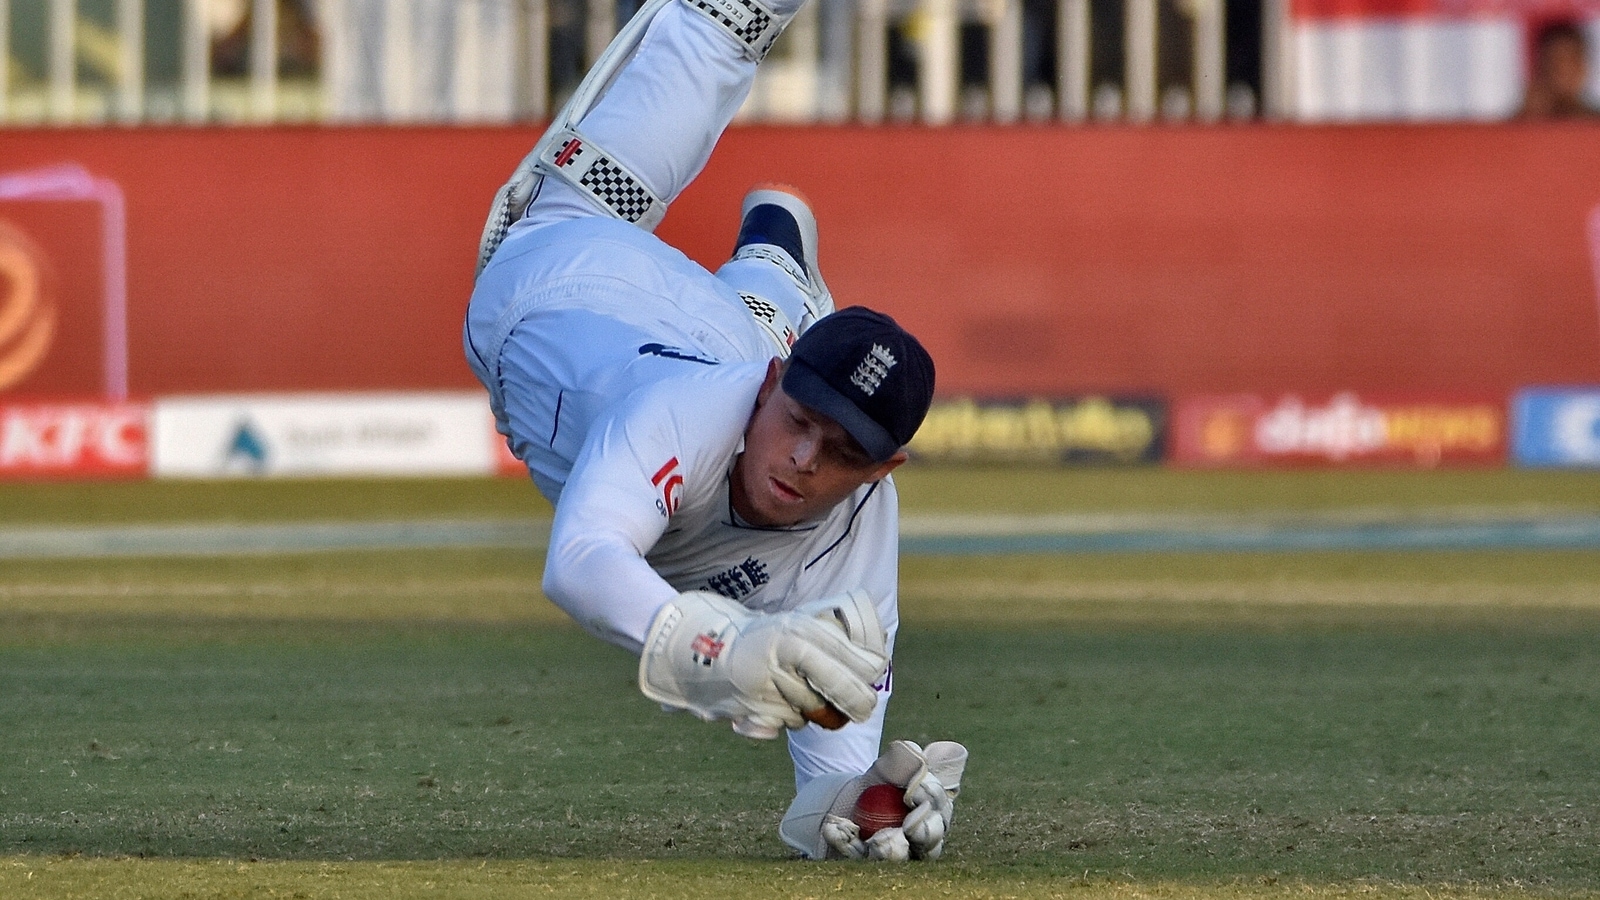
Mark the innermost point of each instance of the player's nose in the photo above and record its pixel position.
(805, 453)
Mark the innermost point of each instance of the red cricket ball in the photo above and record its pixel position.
(880, 806)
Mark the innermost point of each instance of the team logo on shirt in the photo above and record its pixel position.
(705, 648)
(740, 581)
(669, 480)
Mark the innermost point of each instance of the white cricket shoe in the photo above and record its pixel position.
(778, 217)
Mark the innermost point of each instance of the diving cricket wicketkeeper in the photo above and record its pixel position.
(718, 447)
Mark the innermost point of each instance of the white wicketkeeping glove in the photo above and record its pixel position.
(717, 659)
(818, 821)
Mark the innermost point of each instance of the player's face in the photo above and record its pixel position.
(797, 463)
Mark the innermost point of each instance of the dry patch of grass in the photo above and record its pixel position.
(65, 878)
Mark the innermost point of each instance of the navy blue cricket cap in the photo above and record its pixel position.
(862, 370)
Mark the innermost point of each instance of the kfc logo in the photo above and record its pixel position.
(74, 439)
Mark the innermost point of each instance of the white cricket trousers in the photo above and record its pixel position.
(661, 118)
(576, 348)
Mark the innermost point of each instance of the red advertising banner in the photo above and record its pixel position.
(1118, 260)
(74, 440)
(62, 319)
(1344, 429)
(1535, 10)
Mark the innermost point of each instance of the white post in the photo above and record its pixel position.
(63, 59)
(805, 48)
(466, 75)
(5, 58)
(130, 60)
(537, 60)
(1277, 60)
(399, 79)
(1005, 60)
(1072, 59)
(331, 57)
(1139, 51)
(263, 60)
(601, 28)
(836, 56)
(940, 72)
(872, 75)
(1210, 60)
(196, 62)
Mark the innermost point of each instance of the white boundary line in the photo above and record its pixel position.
(1462, 528)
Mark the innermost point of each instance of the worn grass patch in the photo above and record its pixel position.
(1453, 755)
(132, 879)
(425, 724)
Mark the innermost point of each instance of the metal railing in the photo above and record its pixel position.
(934, 61)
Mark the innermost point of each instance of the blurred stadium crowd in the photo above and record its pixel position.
(935, 61)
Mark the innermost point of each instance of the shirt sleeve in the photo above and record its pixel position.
(614, 508)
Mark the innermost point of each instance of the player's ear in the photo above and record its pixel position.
(770, 384)
(889, 465)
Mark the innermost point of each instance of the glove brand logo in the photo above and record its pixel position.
(570, 150)
(670, 481)
(705, 648)
(27, 315)
(874, 367)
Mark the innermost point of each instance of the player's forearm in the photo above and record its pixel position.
(607, 588)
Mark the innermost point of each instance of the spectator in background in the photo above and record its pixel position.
(299, 39)
(1560, 74)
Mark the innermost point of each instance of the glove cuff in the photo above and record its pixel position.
(801, 827)
(685, 663)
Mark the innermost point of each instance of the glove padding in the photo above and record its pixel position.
(931, 780)
(717, 659)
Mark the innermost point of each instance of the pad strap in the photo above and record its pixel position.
(573, 158)
(749, 22)
(772, 321)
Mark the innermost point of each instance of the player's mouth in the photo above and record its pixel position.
(784, 492)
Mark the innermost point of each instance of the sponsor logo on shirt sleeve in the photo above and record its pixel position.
(669, 481)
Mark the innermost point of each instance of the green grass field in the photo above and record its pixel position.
(424, 724)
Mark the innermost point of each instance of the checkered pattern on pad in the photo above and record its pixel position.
(745, 20)
(759, 308)
(617, 190)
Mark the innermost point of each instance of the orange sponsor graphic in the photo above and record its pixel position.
(1249, 429)
(27, 311)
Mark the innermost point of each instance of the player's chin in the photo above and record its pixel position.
(784, 505)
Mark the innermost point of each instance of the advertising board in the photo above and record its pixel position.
(62, 285)
(1343, 429)
(439, 433)
(74, 440)
(1093, 430)
(1556, 428)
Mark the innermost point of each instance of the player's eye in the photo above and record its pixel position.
(846, 453)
